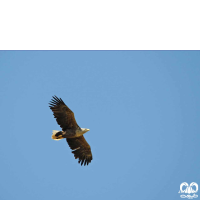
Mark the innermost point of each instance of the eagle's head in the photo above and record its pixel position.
(85, 130)
(81, 132)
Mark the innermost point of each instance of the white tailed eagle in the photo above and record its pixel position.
(70, 130)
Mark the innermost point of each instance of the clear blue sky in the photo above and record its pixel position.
(142, 109)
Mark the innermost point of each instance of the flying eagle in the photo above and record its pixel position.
(70, 130)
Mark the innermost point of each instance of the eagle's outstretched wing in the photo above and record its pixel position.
(81, 149)
(64, 116)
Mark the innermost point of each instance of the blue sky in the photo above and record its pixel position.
(142, 109)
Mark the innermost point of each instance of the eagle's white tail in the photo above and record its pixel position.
(57, 135)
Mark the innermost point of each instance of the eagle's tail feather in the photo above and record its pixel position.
(57, 135)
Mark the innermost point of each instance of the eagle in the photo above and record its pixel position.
(70, 130)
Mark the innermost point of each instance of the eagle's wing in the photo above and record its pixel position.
(81, 149)
(64, 116)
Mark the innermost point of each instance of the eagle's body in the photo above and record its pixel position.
(71, 131)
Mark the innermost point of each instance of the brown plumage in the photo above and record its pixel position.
(71, 131)
(81, 149)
